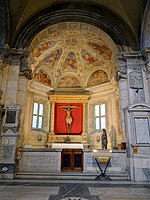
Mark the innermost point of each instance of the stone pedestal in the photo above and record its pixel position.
(9, 138)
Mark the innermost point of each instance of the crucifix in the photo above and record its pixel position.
(68, 110)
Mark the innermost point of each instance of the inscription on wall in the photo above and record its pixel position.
(142, 130)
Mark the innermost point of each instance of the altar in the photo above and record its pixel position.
(71, 156)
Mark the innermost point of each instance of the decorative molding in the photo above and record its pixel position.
(16, 57)
(24, 67)
(4, 55)
(146, 54)
(121, 73)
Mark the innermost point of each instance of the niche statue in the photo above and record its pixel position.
(104, 139)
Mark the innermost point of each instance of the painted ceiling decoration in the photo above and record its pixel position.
(73, 54)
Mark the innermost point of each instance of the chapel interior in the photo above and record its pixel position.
(69, 72)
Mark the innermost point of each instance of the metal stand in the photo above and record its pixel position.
(103, 175)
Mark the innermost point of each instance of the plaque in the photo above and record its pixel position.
(11, 117)
(142, 130)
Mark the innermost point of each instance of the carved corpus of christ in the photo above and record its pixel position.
(68, 110)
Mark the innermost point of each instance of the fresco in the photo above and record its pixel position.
(72, 50)
(43, 47)
(104, 51)
(70, 63)
(97, 77)
(42, 77)
(68, 81)
(87, 58)
(53, 58)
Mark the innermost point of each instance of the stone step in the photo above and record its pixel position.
(68, 176)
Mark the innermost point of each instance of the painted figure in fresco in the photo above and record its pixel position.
(38, 50)
(42, 77)
(107, 53)
(88, 58)
(104, 139)
(68, 110)
(98, 77)
(53, 57)
(70, 63)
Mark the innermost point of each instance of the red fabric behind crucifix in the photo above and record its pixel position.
(60, 119)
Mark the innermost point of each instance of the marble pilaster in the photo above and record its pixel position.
(121, 77)
(11, 121)
(12, 84)
(84, 136)
(52, 134)
(146, 53)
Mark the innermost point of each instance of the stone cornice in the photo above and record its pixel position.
(14, 56)
(134, 60)
(131, 55)
(4, 54)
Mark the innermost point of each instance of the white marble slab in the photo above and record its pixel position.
(67, 146)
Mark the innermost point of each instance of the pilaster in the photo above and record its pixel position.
(146, 54)
(4, 54)
(51, 135)
(121, 77)
(84, 133)
(15, 94)
(12, 83)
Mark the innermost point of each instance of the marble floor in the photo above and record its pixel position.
(75, 190)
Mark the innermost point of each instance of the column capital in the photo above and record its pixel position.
(134, 60)
(15, 55)
(4, 54)
(19, 57)
(121, 73)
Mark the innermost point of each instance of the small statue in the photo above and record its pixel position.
(104, 139)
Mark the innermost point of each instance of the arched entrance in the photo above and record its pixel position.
(74, 66)
(75, 59)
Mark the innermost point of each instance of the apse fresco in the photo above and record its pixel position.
(98, 77)
(53, 58)
(104, 51)
(42, 76)
(70, 63)
(43, 47)
(72, 50)
(68, 81)
(87, 57)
